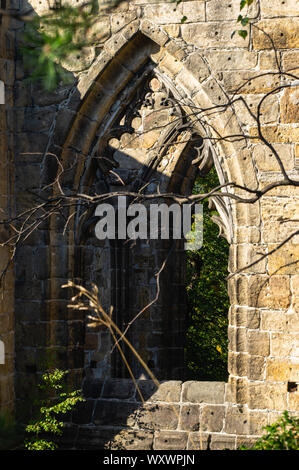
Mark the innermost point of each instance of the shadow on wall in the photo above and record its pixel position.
(174, 416)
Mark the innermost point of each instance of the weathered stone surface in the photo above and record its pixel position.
(290, 60)
(289, 105)
(257, 420)
(236, 420)
(208, 392)
(283, 32)
(158, 417)
(170, 440)
(196, 65)
(266, 161)
(279, 8)
(212, 418)
(234, 60)
(169, 391)
(221, 442)
(267, 396)
(132, 440)
(189, 418)
(212, 34)
(199, 441)
(284, 344)
(258, 342)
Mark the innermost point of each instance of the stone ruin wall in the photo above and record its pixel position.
(204, 64)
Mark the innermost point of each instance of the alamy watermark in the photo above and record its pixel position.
(2, 92)
(2, 352)
(137, 221)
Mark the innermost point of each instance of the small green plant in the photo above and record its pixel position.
(55, 403)
(281, 435)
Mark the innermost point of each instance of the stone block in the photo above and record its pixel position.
(257, 420)
(279, 8)
(294, 401)
(212, 34)
(237, 339)
(290, 60)
(198, 441)
(121, 19)
(119, 388)
(173, 30)
(268, 60)
(189, 418)
(170, 440)
(266, 161)
(237, 363)
(258, 342)
(237, 390)
(203, 392)
(92, 388)
(249, 82)
(277, 133)
(130, 439)
(154, 32)
(284, 260)
(115, 413)
(158, 417)
(236, 420)
(278, 370)
(232, 60)
(163, 13)
(256, 367)
(223, 442)
(82, 414)
(282, 31)
(212, 418)
(289, 105)
(170, 65)
(284, 344)
(226, 10)
(267, 396)
(168, 391)
(197, 66)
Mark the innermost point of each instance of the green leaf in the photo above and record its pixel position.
(242, 4)
(243, 33)
(245, 21)
(183, 19)
(240, 17)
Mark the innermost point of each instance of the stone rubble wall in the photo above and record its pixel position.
(174, 416)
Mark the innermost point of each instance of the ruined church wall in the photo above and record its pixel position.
(206, 65)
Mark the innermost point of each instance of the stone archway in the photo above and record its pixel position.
(135, 130)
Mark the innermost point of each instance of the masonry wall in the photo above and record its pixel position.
(7, 67)
(206, 66)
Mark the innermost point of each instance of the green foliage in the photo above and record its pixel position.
(54, 403)
(52, 39)
(244, 20)
(282, 435)
(206, 350)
